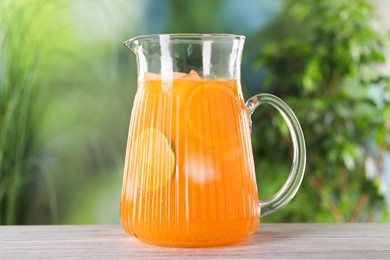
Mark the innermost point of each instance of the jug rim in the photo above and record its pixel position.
(186, 36)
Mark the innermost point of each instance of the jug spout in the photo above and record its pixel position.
(150, 43)
(132, 44)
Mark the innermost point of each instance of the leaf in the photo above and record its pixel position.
(337, 82)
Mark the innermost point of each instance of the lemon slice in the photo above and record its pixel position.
(212, 113)
(153, 160)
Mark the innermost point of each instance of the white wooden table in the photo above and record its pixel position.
(271, 241)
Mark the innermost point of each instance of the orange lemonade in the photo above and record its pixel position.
(189, 176)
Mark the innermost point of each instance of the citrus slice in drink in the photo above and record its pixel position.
(212, 112)
(151, 76)
(153, 160)
(192, 75)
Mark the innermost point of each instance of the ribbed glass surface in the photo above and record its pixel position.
(189, 175)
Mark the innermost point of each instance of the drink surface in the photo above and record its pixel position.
(189, 175)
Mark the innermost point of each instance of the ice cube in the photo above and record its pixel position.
(200, 171)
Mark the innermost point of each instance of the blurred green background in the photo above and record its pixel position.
(67, 85)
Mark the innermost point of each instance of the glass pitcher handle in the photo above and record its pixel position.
(291, 186)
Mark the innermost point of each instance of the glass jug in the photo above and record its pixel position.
(189, 177)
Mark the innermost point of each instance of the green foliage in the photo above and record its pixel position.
(99, 201)
(22, 30)
(334, 80)
(64, 105)
(197, 15)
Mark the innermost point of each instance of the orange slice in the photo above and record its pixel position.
(178, 75)
(212, 112)
(151, 76)
(192, 75)
(153, 160)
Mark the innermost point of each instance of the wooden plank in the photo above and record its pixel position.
(271, 241)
